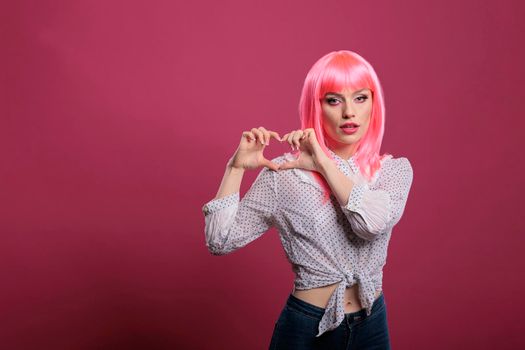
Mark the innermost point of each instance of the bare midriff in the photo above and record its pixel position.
(320, 296)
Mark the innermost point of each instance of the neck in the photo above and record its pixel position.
(341, 149)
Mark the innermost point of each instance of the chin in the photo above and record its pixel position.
(347, 141)
(349, 138)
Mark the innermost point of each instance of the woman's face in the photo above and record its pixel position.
(341, 108)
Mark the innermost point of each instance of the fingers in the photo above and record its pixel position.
(275, 135)
(259, 135)
(305, 134)
(289, 139)
(294, 138)
(262, 135)
(266, 135)
(249, 135)
(269, 164)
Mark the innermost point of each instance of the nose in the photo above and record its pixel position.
(348, 112)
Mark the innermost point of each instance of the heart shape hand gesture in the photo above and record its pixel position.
(249, 154)
(311, 155)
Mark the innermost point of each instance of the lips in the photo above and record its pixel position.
(349, 128)
(349, 125)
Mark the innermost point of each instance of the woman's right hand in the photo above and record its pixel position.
(249, 154)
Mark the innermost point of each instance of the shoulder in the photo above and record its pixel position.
(397, 163)
(399, 168)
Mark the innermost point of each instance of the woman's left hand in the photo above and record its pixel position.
(311, 155)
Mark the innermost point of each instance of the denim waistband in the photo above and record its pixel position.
(318, 312)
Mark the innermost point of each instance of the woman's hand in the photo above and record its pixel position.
(249, 154)
(311, 155)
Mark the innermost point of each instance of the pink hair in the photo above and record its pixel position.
(334, 72)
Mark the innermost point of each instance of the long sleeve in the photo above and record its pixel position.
(372, 212)
(231, 224)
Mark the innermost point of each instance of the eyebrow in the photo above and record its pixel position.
(337, 94)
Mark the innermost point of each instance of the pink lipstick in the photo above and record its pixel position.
(349, 128)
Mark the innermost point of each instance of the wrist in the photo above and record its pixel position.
(233, 169)
(324, 165)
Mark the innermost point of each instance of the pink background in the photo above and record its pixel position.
(117, 119)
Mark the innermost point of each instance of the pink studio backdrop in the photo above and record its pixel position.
(117, 119)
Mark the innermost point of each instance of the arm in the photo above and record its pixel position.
(231, 181)
(231, 223)
(372, 212)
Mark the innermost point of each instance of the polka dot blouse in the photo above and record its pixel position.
(326, 244)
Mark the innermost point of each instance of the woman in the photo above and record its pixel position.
(334, 201)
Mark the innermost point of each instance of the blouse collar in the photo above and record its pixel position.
(350, 161)
(348, 167)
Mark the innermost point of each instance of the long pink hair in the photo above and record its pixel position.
(334, 72)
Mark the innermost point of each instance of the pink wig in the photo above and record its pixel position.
(334, 72)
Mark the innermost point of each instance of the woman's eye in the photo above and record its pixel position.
(331, 100)
(363, 98)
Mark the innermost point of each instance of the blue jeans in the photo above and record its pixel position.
(298, 323)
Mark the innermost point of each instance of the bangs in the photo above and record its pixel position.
(343, 72)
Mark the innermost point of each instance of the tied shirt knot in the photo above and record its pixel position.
(335, 313)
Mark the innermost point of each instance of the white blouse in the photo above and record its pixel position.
(325, 244)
